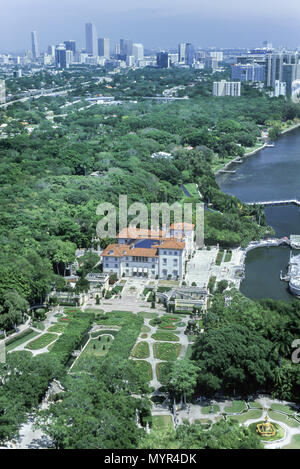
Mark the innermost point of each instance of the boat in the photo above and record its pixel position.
(270, 145)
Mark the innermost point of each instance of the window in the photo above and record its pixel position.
(116, 266)
(164, 261)
(175, 262)
(127, 265)
(153, 266)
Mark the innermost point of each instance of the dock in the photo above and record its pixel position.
(227, 171)
(275, 202)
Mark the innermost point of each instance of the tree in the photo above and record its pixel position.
(183, 378)
(232, 358)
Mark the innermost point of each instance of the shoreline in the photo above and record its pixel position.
(252, 152)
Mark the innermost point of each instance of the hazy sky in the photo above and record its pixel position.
(163, 23)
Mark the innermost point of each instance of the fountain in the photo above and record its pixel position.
(266, 428)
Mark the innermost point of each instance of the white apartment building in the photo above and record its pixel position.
(2, 92)
(138, 52)
(226, 88)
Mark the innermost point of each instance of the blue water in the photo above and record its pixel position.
(271, 174)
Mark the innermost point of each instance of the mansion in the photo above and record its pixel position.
(151, 253)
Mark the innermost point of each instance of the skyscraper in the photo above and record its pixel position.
(91, 39)
(70, 45)
(51, 50)
(125, 47)
(190, 54)
(186, 53)
(34, 45)
(162, 59)
(182, 53)
(61, 56)
(138, 52)
(104, 47)
(2, 91)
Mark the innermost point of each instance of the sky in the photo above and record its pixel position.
(155, 23)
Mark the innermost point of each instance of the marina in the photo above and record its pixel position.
(271, 178)
(293, 275)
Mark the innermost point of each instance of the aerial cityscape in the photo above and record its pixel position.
(150, 231)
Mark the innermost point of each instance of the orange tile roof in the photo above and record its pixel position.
(120, 250)
(172, 244)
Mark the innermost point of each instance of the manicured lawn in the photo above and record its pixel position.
(141, 350)
(42, 341)
(162, 422)
(95, 311)
(162, 371)
(95, 348)
(144, 335)
(166, 351)
(255, 405)
(145, 329)
(144, 369)
(95, 335)
(211, 283)
(11, 345)
(219, 257)
(207, 409)
(284, 408)
(147, 315)
(295, 443)
(114, 318)
(236, 406)
(57, 328)
(169, 336)
(166, 322)
(228, 256)
(38, 325)
(283, 418)
(251, 414)
(205, 422)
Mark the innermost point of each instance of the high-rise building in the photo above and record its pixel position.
(61, 59)
(217, 55)
(138, 52)
(290, 73)
(34, 45)
(70, 45)
(211, 63)
(280, 88)
(182, 53)
(226, 88)
(190, 54)
(186, 53)
(51, 51)
(104, 47)
(91, 39)
(274, 66)
(162, 59)
(2, 92)
(248, 72)
(125, 47)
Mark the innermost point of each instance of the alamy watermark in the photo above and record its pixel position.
(2, 352)
(159, 216)
(296, 353)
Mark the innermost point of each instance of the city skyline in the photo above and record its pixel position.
(164, 24)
